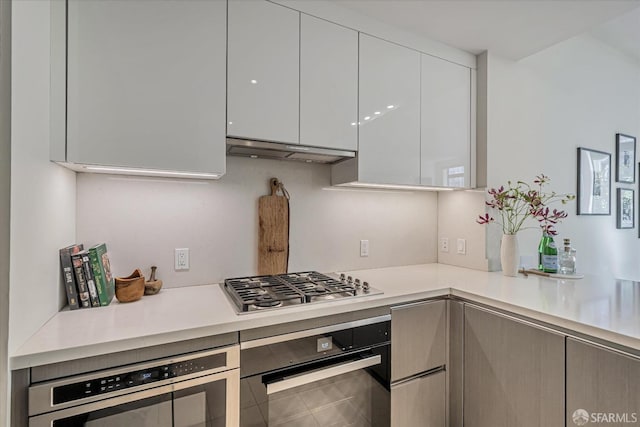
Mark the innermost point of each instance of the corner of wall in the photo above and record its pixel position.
(457, 213)
(42, 194)
(482, 62)
(5, 200)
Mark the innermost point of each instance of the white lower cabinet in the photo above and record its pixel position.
(420, 402)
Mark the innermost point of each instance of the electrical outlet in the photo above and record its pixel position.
(462, 246)
(444, 244)
(182, 259)
(364, 248)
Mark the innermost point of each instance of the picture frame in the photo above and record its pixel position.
(625, 158)
(594, 182)
(625, 214)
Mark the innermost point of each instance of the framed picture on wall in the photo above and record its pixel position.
(625, 208)
(625, 158)
(594, 182)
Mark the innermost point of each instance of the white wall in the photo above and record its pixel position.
(42, 193)
(142, 220)
(5, 198)
(579, 93)
(457, 213)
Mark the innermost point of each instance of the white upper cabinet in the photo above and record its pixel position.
(145, 84)
(389, 113)
(263, 71)
(446, 124)
(328, 84)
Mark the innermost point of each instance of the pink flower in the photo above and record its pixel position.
(484, 219)
(520, 201)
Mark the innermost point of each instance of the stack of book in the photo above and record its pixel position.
(86, 275)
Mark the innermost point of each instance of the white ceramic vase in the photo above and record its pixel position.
(509, 254)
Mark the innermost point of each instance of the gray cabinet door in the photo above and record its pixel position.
(418, 338)
(601, 383)
(455, 362)
(146, 84)
(513, 372)
(419, 402)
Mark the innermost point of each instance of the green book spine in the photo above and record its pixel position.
(103, 283)
(102, 272)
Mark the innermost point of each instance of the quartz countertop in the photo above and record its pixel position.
(600, 307)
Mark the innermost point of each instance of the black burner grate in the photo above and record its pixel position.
(315, 285)
(261, 292)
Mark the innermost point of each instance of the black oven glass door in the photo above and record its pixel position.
(347, 393)
(154, 411)
(202, 406)
(200, 402)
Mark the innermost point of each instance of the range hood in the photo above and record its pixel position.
(281, 151)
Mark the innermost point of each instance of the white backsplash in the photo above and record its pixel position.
(143, 220)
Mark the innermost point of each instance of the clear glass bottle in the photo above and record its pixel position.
(547, 254)
(567, 258)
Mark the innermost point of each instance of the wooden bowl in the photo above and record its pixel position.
(130, 288)
(152, 287)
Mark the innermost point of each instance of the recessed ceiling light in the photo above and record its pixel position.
(367, 118)
(377, 113)
(253, 82)
(390, 106)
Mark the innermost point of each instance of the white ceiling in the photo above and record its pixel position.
(622, 32)
(510, 28)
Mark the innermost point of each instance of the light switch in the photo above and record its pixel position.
(462, 246)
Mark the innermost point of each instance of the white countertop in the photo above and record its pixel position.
(599, 307)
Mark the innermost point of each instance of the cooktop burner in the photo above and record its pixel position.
(268, 292)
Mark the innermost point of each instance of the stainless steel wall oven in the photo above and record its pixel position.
(334, 375)
(196, 389)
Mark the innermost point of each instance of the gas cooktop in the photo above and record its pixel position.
(256, 293)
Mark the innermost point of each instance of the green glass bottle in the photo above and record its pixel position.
(547, 254)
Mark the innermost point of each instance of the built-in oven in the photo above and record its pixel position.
(197, 389)
(336, 375)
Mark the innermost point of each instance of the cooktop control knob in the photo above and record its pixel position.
(357, 283)
(349, 279)
(342, 277)
(365, 286)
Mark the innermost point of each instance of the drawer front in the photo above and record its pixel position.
(418, 338)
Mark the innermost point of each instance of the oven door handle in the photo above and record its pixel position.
(321, 374)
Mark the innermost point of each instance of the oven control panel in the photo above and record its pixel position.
(100, 385)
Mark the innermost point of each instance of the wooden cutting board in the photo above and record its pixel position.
(273, 242)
